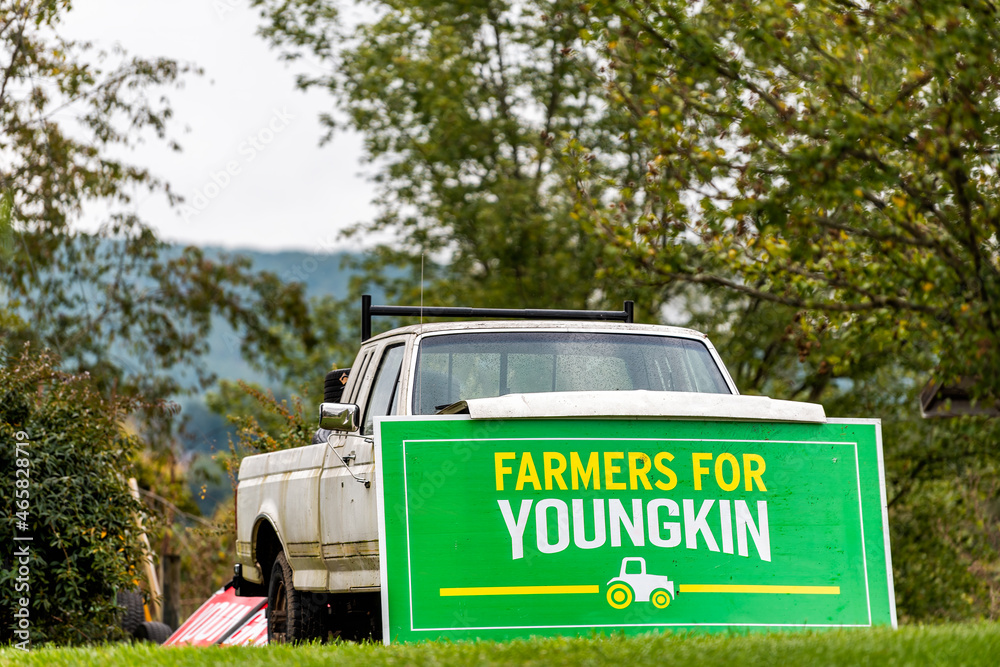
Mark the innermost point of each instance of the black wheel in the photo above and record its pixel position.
(356, 617)
(292, 616)
(132, 613)
(152, 631)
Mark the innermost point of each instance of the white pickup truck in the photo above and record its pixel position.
(307, 530)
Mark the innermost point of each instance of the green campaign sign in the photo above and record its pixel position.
(508, 528)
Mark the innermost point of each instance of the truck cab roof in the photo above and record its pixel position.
(555, 325)
(553, 368)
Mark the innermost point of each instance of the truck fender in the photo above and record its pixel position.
(266, 543)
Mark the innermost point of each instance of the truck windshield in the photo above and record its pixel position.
(456, 367)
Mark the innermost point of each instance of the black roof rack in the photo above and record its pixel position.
(368, 311)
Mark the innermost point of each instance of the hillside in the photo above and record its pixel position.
(322, 274)
(205, 432)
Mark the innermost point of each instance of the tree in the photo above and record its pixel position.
(119, 303)
(468, 112)
(117, 307)
(834, 157)
(458, 103)
(834, 164)
(812, 184)
(70, 498)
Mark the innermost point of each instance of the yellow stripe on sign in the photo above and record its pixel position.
(518, 590)
(792, 590)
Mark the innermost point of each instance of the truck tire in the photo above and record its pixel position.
(132, 614)
(292, 616)
(152, 631)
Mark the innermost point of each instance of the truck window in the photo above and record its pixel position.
(385, 391)
(359, 378)
(462, 366)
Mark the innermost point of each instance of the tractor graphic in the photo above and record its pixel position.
(634, 584)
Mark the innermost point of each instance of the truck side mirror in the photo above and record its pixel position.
(339, 416)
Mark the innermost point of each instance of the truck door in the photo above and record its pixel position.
(349, 520)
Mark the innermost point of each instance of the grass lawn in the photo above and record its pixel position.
(977, 644)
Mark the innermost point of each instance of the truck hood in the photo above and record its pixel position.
(638, 404)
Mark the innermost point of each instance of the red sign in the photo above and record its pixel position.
(222, 618)
(253, 632)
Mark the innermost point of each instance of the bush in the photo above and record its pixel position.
(81, 517)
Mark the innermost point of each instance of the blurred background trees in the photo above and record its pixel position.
(118, 313)
(81, 518)
(814, 186)
(837, 161)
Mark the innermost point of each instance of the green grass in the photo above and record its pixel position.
(929, 645)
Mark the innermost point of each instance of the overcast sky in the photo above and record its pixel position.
(251, 170)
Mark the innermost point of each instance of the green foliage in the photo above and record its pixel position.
(813, 185)
(952, 644)
(475, 117)
(832, 165)
(837, 158)
(207, 558)
(80, 514)
(6, 229)
(467, 110)
(945, 518)
(263, 424)
(118, 303)
(283, 426)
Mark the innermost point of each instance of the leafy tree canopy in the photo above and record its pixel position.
(835, 157)
(63, 462)
(467, 110)
(811, 183)
(115, 303)
(119, 309)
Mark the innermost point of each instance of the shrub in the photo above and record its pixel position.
(81, 517)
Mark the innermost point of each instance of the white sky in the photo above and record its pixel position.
(285, 193)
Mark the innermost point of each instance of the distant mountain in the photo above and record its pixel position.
(205, 432)
(322, 274)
